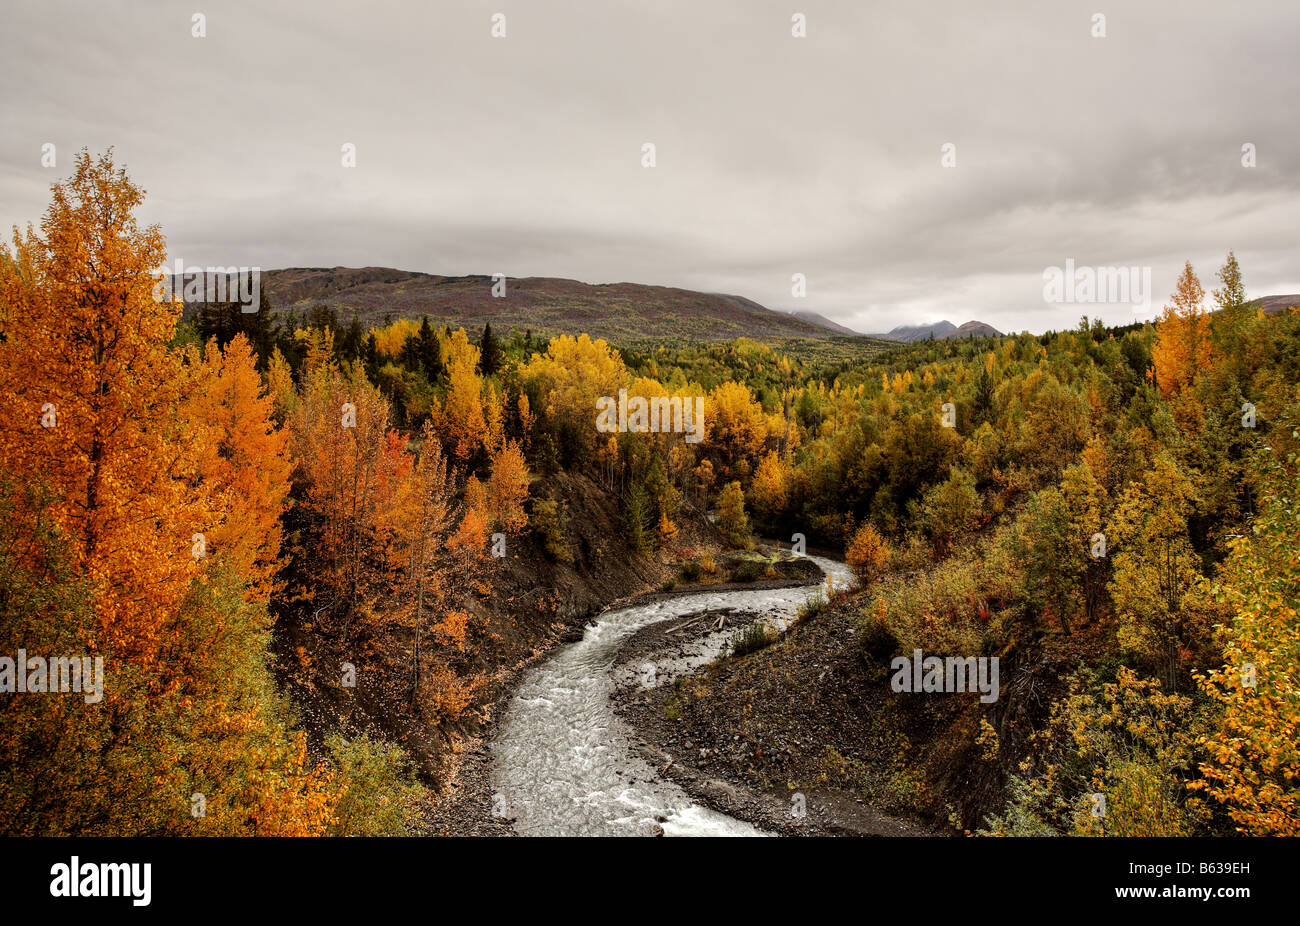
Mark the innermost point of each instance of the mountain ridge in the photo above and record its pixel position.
(939, 331)
(545, 305)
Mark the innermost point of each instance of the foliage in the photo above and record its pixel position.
(732, 520)
(381, 791)
(1114, 761)
(550, 521)
(1253, 767)
(868, 554)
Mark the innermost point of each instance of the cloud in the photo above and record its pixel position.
(775, 155)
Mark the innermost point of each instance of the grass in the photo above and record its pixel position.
(815, 605)
(756, 636)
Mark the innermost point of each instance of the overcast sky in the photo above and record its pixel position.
(775, 155)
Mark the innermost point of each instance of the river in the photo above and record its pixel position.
(562, 764)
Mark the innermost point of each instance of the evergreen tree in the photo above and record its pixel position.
(430, 352)
(636, 519)
(982, 408)
(353, 340)
(370, 357)
(489, 352)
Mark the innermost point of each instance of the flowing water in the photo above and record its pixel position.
(562, 763)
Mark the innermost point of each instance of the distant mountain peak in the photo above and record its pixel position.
(940, 331)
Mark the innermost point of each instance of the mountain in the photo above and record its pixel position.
(939, 331)
(1273, 305)
(546, 305)
(974, 329)
(825, 322)
(919, 332)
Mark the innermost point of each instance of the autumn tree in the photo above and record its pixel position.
(1155, 568)
(508, 488)
(950, 508)
(246, 463)
(419, 522)
(566, 381)
(1065, 550)
(868, 554)
(704, 478)
(1229, 324)
(1182, 345)
(128, 488)
(1254, 763)
(352, 464)
(98, 404)
(462, 423)
(737, 427)
(665, 500)
(732, 520)
(771, 487)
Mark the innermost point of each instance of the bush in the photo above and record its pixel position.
(550, 521)
(691, 572)
(748, 571)
(756, 636)
(379, 789)
(815, 604)
(868, 554)
(876, 640)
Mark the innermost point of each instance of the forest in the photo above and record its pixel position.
(241, 510)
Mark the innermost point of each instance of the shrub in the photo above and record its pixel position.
(868, 554)
(756, 636)
(815, 604)
(876, 640)
(550, 521)
(379, 789)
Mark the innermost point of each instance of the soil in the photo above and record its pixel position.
(735, 738)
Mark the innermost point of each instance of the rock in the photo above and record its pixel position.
(656, 830)
(660, 818)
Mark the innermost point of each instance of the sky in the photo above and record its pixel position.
(774, 155)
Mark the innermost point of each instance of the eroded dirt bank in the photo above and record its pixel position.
(793, 738)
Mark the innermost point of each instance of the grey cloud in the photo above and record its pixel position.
(775, 155)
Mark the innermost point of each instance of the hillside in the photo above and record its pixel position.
(546, 305)
(825, 322)
(974, 329)
(1273, 305)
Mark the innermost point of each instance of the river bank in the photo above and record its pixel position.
(466, 805)
(740, 738)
